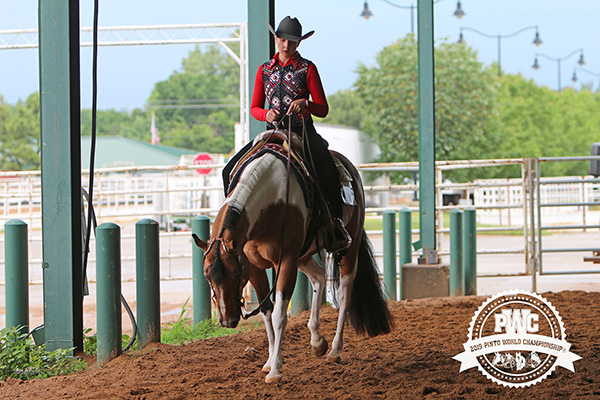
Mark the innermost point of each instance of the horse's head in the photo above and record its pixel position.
(227, 271)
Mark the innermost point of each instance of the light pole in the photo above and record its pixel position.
(537, 41)
(574, 78)
(366, 13)
(536, 66)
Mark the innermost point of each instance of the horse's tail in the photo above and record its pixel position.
(368, 311)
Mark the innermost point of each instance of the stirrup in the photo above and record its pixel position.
(340, 238)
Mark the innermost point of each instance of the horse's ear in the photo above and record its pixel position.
(199, 242)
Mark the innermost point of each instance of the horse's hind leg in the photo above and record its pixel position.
(316, 274)
(344, 293)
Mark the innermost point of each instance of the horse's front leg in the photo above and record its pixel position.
(260, 282)
(344, 296)
(284, 289)
(316, 274)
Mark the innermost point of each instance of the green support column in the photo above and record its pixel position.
(61, 173)
(261, 47)
(457, 276)
(404, 243)
(201, 289)
(16, 274)
(470, 251)
(147, 261)
(426, 132)
(299, 302)
(108, 292)
(390, 269)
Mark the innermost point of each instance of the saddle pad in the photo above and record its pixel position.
(279, 152)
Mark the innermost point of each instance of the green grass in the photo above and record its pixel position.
(183, 330)
(375, 223)
(177, 332)
(21, 358)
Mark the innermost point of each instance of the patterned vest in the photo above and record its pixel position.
(286, 84)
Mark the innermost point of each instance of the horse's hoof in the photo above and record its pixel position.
(273, 379)
(266, 367)
(321, 348)
(334, 358)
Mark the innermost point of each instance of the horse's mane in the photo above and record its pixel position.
(232, 218)
(246, 189)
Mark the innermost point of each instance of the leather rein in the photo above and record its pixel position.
(235, 253)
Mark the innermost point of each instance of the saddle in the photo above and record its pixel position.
(276, 142)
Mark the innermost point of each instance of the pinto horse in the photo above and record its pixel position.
(263, 224)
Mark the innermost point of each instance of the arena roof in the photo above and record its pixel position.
(115, 151)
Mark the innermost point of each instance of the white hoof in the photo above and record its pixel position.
(273, 378)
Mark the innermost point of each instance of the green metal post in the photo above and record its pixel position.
(108, 292)
(457, 275)
(390, 269)
(426, 132)
(61, 173)
(404, 242)
(300, 295)
(261, 47)
(201, 288)
(16, 274)
(147, 261)
(470, 251)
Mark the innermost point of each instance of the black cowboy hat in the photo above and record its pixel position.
(290, 29)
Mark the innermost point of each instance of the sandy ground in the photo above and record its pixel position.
(413, 362)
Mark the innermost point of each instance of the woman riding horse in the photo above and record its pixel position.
(287, 81)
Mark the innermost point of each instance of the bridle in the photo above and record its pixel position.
(232, 254)
(235, 253)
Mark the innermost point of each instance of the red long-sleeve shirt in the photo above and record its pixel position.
(317, 107)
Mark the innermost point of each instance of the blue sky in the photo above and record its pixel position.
(342, 39)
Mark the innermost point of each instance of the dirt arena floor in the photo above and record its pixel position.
(413, 362)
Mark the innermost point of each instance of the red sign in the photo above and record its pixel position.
(203, 159)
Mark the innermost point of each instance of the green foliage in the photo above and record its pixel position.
(197, 107)
(20, 358)
(90, 342)
(183, 330)
(19, 134)
(535, 121)
(345, 108)
(477, 114)
(134, 124)
(464, 102)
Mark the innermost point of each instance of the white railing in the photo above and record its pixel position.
(173, 195)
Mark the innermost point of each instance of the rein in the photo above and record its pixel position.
(254, 312)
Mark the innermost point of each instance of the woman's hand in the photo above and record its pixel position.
(272, 116)
(297, 106)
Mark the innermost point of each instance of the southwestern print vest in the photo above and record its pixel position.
(286, 84)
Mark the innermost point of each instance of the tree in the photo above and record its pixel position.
(464, 102)
(20, 134)
(134, 124)
(344, 109)
(535, 121)
(205, 92)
